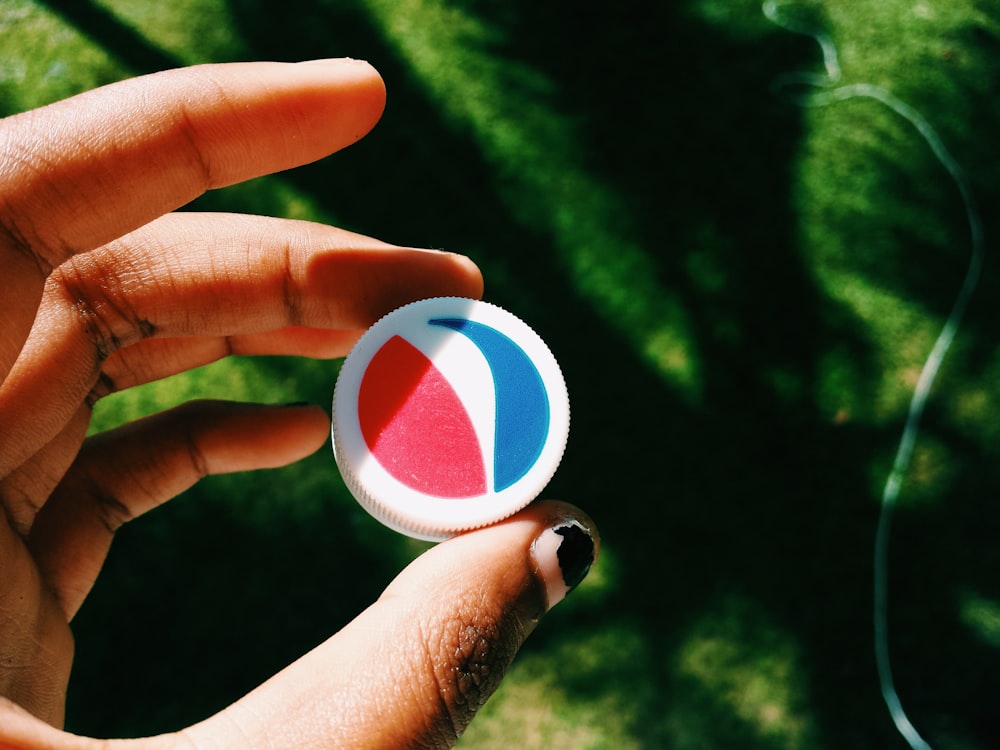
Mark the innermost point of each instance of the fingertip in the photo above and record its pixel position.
(553, 542)
(308, 426)
(383, 278)
(564, 548)
(455, 273)
(362, 78)
(472, 273)
(242, 437)
(464, 274)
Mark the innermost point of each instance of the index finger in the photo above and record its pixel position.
(83, 171)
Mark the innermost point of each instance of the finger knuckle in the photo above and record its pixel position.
(195, 155)
(196, 456)
(25, 172)
(112, 513)
(290, 292)
(14, 235)
(98, 298)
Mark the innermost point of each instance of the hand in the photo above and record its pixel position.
(105, 289)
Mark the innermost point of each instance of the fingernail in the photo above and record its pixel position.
(563, 555)
(344, 67)
(333, 61)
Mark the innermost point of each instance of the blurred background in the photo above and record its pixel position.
(741, 293)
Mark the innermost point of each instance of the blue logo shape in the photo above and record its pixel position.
(522, 404)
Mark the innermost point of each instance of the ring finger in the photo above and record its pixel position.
(122, 473)
(157, 358)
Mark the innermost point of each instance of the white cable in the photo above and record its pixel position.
(921, 393)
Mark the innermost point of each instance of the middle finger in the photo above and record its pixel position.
(204, 275)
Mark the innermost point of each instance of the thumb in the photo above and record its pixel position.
(411, 670)
(414, 668)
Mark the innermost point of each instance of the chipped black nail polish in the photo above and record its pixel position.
(575, 553)
(563, 555)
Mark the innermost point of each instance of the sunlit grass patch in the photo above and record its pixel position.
(192, 31)
(981, 616)
(587, 693)
(734, 659)
(233, 379)
(46, 59)
(900, 331)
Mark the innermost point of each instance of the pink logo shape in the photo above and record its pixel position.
(415, 425)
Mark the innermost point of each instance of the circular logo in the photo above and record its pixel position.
(449, 414)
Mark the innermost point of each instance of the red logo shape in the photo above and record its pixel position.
(415, 425)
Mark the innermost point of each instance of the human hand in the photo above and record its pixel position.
(106, 289)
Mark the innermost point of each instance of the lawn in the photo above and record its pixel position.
(741, 291)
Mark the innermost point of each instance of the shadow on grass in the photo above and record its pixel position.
(746, 512)
(118, 38)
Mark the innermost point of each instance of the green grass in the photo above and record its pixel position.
(741, 293)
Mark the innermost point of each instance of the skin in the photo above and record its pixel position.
(106, 289)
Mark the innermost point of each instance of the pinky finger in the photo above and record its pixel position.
(125, 472)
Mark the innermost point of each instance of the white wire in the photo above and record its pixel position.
(921, 393)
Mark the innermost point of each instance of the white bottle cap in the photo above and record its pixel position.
(449, 414)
